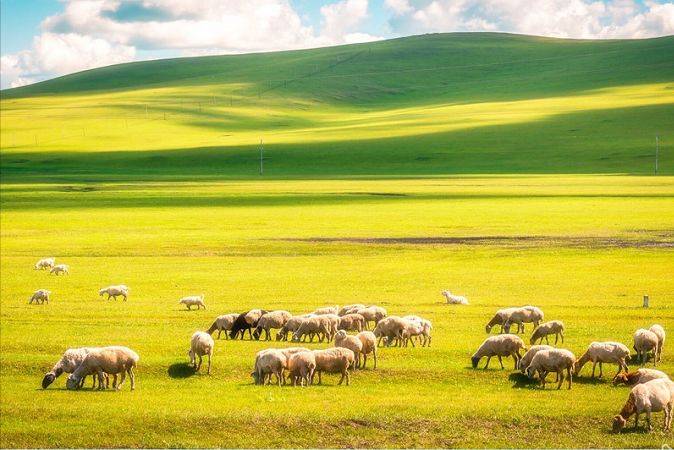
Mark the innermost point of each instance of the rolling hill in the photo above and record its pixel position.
(460, 103)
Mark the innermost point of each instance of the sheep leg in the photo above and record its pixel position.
(500, 360)
(648, 419)
(569, 376)
(561, 333)
(412, 341)
(601, 369)
(486, 366)
(200, 361)
(636, 420)
(208, 370)
(594, 365)
(429, 341)
(561, 379)
(546, 340)
(121, 382)
(364, 360)
(516, 361)
(542, 375)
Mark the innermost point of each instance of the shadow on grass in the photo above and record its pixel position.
(521, 381)
(592, 381)
(181, 370)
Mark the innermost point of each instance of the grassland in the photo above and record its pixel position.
(511, 169)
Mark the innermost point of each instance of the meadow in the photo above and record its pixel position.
(510, 169)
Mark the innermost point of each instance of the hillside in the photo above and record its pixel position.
(423, 105)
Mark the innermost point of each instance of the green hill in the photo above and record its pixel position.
(422, 105)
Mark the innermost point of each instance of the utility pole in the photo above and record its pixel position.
(261, 158)
(657, 152)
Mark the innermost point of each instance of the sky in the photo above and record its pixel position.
(42, 39)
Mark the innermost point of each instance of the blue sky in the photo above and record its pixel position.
(41, 39)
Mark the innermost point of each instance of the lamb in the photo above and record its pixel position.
(390, 328)
(45, 263)
(500, 318)
(40, 296)
(60, 268)
(554, 360)
(654, 396)
(223, 323)
(313, 326)
(369, 341)
(500, 346)
(353, 343)
(334, 360)
(426, 327)
(201, 344)
(193, 300)
(115, 291)
(350, 309)
(454, 299)
(327, 310)
(604, 352)
(555, 327)
(69, 361)
(525, 314)
(268, 362)
(271, 320)
(660, 333)
(639, 376)
(111, 360)
(529, 355)
(301, 367)
(646, 341)
(351, 322)
(372, 314)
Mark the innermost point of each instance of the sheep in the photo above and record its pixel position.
(60, 268)
(390, 328)
(525, 314)
(331, 322)
(327, 310)
(313, 326)
(653, 396)
(351, 322)
(40, 296)
(273, 319)
(193, 300)
(412, 329)
(501, 345)
(301, 367)
(246, 321)
(350, 309)
(334, 360)
(372, 314)
(201, 344)
(554, 360)
(646, 341)
(426, 327)
(660, 333)
(604, 352)
(111, 360)
(69, 361)
(529, 355)
(500, 318)
(454, 299)
(291, 326)
(223, 323)
(45, 263)
(268, 362)
(115, 291)
(555, 327)
(639, 376)
(369, 341)
(353, 343)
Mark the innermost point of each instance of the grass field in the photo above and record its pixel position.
(511, 169)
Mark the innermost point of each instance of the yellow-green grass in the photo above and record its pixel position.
(602, 242)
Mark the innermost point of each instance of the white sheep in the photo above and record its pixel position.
(351, 322)
(639, 376)
(40, 296)
(223, 323)
(499, 346)
(604, 352)
(654, 396)
(331, 322)
(115, 291)
(312, 327)
(412, 329)
(201, 344)
(369, 341)
(500, 318)
(269, 321)
(555, 327)
(291, 326)
(353, 343)
(525, 314)
(301, 367)
(267, 363)
(372, 314)
(454, 299)
(554, 360)
(193, 300)
(334, 360)
(60, 268)
(106, 360)
(389, 329)
(45, 263)
(69, 361)
(327, 310)
(646, 341)
(660, 333)
(529, 355)
(426, 327)
(350, 309)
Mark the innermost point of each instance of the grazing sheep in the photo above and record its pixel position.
(246, 321)
(454, 299)
(253, 316)
(351, 322)
(372, 314)
(291, 326)
(223, 323)
(201, 344)
(45, 263)
(500, 318)
(331, 322)
(369, 341)
(111, 360)
(646, 341)
(639, 376)
(40, 296)
(60, 268)
(69, 361)
(327, 310)
(353, 343)
(660, 333)
(271, 320)
(529, 355)
(554, 360)
(115, 291)
(350, 309)
(499, 346)
(555, 327)
(193, 300)
(313, 326)
(301, 367)
(389, 329)
(268, 362)
(604, 352)
(525, 314)
(426, 327)
(334, 360)
(654, 396)
(412, 329)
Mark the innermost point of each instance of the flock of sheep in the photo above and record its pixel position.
(652, 390)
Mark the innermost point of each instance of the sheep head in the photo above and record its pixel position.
(72, 383)
(619, 423)
(48, 379)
